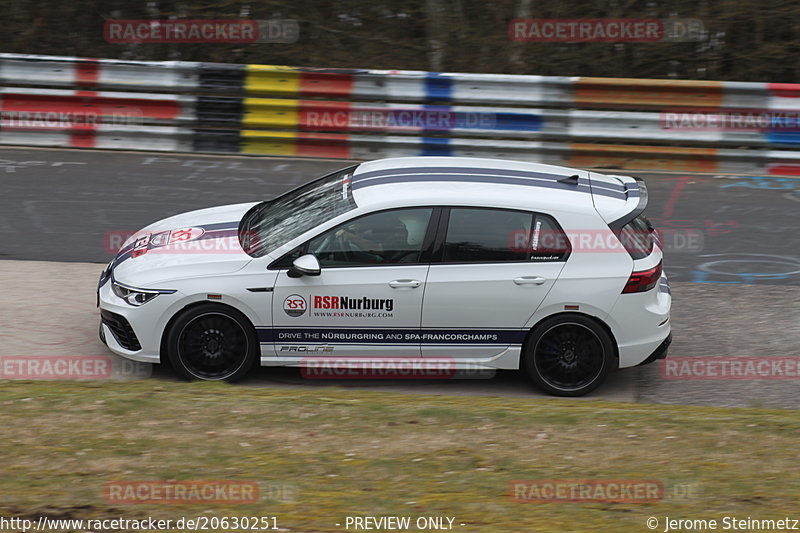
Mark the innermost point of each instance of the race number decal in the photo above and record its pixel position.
(185, 235)
(141, 245)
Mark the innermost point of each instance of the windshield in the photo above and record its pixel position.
(270, 225)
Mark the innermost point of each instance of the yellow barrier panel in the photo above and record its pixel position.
(271, 79)
(269, 142)
(270, 112)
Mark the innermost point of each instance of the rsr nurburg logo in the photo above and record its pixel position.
(294, 305)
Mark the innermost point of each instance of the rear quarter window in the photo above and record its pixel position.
(486, 235)
(637, 237)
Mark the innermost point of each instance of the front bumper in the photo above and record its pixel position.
(132, 332)
(120, 329)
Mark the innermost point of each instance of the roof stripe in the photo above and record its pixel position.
(620, 187)
(434, 176)
(470, 170)
(412, 178)
(474, 175)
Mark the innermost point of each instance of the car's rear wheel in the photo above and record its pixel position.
(568, 355)
(212, 342)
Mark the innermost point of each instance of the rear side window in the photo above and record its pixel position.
(548, 241)
(637, 237)
(477, 235)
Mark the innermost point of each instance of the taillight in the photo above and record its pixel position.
(644, 280)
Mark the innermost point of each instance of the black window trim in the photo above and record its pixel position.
(428, 240)
(432, 252)
(641, 205)
(617, 226)
(444, 223)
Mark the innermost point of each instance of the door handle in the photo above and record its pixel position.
(405, 283)
(529, 280)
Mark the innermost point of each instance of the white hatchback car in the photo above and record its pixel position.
(492, 264)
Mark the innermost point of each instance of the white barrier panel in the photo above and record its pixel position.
(205, 107)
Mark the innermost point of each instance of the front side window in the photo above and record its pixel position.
(385, 238)
(272, 224)
(499, 235)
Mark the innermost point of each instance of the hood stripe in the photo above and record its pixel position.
(211, 231)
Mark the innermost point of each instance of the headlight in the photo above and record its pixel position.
(134, 296)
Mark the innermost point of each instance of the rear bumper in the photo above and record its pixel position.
(660, 352)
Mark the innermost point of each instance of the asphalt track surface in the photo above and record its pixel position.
(732, 258)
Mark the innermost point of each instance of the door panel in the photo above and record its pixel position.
(367, 301)
(495, 268)
(484, 303)
(358, 311)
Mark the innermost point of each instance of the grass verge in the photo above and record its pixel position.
(320, 455)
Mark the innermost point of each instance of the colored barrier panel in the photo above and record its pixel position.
(91, 107)
(681, 125)
(639, 93)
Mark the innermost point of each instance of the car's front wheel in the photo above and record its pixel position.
(568, 355)
(212, 342)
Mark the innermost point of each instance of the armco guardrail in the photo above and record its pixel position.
(364, 114)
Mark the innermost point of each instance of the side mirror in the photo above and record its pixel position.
(305, 265)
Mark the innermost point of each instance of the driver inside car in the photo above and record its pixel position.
(381, 242)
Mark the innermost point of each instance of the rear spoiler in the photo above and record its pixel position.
(635, 200)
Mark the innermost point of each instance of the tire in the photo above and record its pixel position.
(568, 355)
(212, 343)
